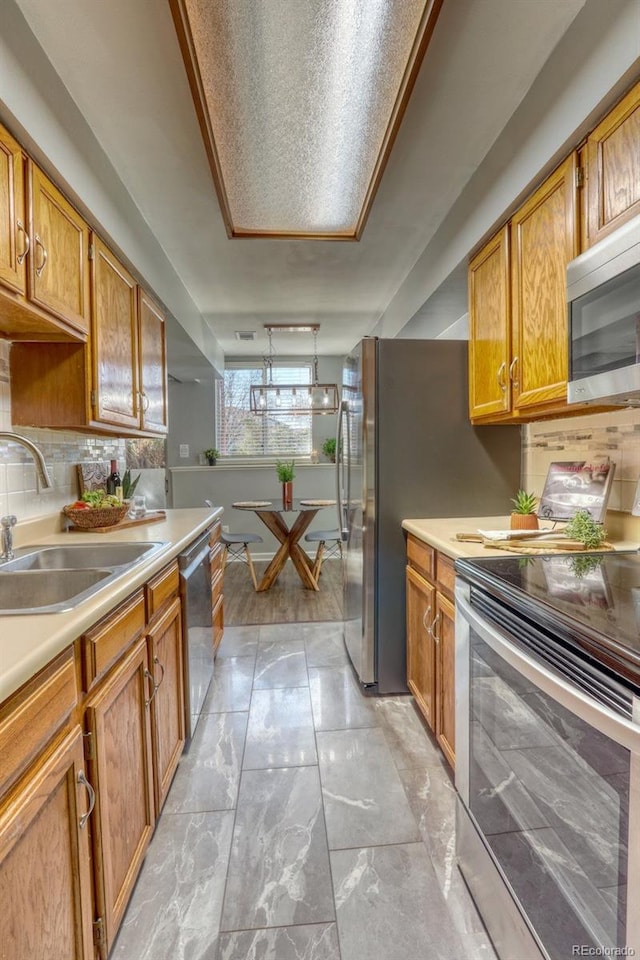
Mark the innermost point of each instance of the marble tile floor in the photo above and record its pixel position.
(305, 821)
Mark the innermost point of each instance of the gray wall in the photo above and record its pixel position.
(224, 485)
(192, 414)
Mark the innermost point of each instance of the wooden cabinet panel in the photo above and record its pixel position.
(421, 665)
(217, 617)
(13, 230)
(114, 339)
(167, 705)
(613, 156)
(45, 878)
(490, 328)
(444, 632)
(421, 556)
(544, 238)
(161, 588)
(153, 365)
(117, 718)
(58, 267)
(103, 644)
(445, 574)
(33, 714)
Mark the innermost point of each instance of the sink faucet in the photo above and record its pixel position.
(41, 466)
(8, 523)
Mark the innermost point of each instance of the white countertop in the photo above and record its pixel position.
(28, 643)
(440, 533)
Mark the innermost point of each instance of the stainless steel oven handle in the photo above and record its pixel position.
(623, 731)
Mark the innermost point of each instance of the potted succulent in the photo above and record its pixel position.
(329, 449)
(286, 473)
(524, 516)
(212, 455)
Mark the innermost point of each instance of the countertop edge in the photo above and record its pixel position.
(50, 634)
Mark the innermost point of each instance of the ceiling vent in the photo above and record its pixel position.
(245, 335)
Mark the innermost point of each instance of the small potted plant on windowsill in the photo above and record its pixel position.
(212, 455)
(286, 473)
(329, 449)
(524, 516)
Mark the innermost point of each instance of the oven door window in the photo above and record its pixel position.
(550, 794)
(605, 327)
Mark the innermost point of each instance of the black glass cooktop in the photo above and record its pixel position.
(589, 598)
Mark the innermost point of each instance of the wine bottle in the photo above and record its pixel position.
(114, 483)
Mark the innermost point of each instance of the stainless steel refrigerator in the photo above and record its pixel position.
(406, 450)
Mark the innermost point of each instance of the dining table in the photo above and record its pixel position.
(287, 522)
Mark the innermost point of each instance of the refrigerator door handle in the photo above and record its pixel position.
(347, 514)
(339, 471)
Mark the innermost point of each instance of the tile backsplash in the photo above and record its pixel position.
(593, 437)
(62, 450)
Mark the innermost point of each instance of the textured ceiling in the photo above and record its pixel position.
(121, 63)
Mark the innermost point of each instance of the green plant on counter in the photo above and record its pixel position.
(285, 470)
(524, 502)
(329, 448)
(586, 530)
(212, 455)
(129, 485)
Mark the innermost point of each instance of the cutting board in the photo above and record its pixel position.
(153, 516)
(563, 545)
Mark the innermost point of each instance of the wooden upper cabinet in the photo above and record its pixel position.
(544, 238)
(490, 328)
(58, 276)
(153, 364)
(114, 339)
(45, 872)
(613, 168)
(14, 242)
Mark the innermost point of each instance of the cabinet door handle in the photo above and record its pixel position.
(436, 622)
(149, 676)
(82, 780)
(512, 372)
(424, 618)
(502, 369)
(27, 242)
(157, 662)
(144, 399)
(39, 243)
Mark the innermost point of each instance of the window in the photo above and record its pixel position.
(240, 433)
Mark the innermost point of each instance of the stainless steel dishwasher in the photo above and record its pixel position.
(195, 589)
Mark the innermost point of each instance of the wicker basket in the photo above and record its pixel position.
(96, 516)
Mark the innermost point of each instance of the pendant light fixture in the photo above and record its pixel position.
(293, 398)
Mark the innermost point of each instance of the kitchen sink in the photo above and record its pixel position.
(54, 589)
(52, 579)
(78, 557)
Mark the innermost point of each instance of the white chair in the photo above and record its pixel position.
(236, 547)
(322, 538)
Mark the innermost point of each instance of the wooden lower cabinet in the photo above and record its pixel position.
(421, 670)
(431, 644)
(45, 872)
(167, 703)
(444, 634)
(119, 726)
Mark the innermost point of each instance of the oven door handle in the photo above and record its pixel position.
(602, 718)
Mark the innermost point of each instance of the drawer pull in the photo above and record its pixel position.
(157, 662)
(424, 619)
(27, 242)
(82, 780)
(155, 686)
(45, 257)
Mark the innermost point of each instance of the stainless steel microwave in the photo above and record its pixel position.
(603, 293)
